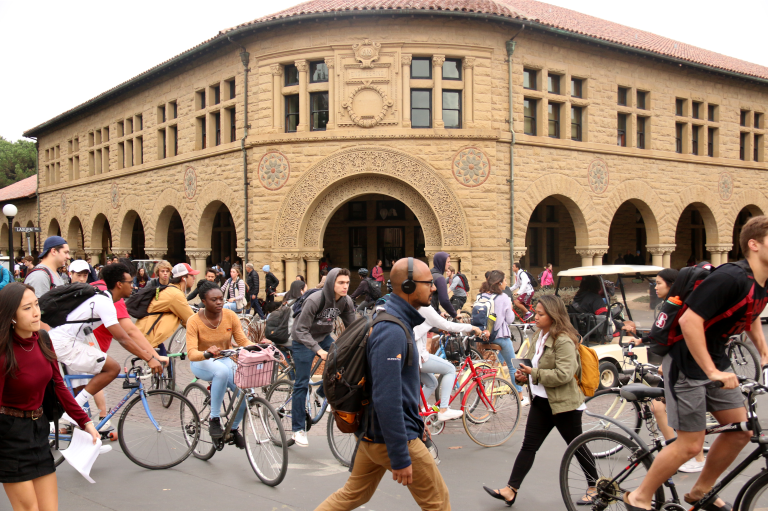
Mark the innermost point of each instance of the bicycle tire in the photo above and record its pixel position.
(167, 381)
(755, 496)
(200, 398)
(484, 426)
(342, 444)
(577, 489)
(516, 337)
(140, 424)
(261, 448)
(609, 402)
(58, 457)
(178, 342)
(744, 358)
(280, 395)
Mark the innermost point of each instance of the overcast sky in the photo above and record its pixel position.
(58, 54)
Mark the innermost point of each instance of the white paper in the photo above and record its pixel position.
(82, 452)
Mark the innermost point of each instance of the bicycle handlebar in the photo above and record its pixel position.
(233, 351)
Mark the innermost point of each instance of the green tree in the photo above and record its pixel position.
(17, 161)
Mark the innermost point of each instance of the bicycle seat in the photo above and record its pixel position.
(638, 392)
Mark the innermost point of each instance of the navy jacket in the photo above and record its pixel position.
(395, 385)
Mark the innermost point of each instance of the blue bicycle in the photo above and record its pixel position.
(151, 434)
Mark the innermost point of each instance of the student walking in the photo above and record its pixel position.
(45, 276)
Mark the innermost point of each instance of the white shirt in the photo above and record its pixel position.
(539, 390)
(434, 320)
(103, 312)
(522, 283)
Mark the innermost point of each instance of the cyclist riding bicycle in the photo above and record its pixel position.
(728, 302)
(211, 330)
(364, 290)
(524, 290)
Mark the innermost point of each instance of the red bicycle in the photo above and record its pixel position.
(491, 405)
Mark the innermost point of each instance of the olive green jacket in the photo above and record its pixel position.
(558, 364)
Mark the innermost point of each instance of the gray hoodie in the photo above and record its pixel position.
(314, 323)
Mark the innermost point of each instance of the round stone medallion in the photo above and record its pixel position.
(190, 183)
(471, 167)
(725, 186)
(115, 196)
(597, 176)
(274, 170)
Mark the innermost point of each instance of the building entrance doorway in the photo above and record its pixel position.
(223, 237)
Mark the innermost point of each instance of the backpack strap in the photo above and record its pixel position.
(50, 277)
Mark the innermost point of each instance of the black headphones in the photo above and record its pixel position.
(409, 286)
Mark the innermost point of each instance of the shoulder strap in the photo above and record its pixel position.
(50, 277)
(384, 316)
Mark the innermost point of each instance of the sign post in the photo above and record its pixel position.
(28, 231)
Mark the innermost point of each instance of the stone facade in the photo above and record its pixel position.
(455, 181)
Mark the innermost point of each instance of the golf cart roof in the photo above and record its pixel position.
(611, 269)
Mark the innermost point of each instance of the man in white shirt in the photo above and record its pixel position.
(523, 289)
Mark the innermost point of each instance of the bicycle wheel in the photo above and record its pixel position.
(342, 444)
(165, 445)
(265, 442)
(609, 402)
(64, 439)
(200, 398)
(279, 396)
(745, 360)
(756, 496)
(517, 338)
(494, 416)
(574, 482)
(167, 381)
(178, 342)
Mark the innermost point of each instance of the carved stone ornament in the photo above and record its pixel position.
(63, 204)
(198, 253)
(276, 69)
(368, 121)
(115, 196)
(190, 182)
(471, 167)
(438, 60)
(469, 63)
(597, 175)
(406, 60)
(366, 52)
(725, 186)
(274, 170)
(330, 62)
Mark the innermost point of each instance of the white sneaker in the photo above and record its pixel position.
(449, 415)
(692, 466)
(66, 417)
(525, 402)
(105, 426)
(300, 438)
(105, 448)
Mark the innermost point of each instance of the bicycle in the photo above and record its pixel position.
(745, 360)
(280, 395)
(266, 446)
(144, 438)
(167, 378)
(619, 474)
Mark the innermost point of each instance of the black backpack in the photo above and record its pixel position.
(57, 303)
(296, 307)
(464, 281)
(277, 325)
(534, 281)
(374, 292)
(138, 304)
(346, 371)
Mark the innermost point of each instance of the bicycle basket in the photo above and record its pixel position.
(453, 348)
(255, 368)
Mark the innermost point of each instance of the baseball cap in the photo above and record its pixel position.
(78, 266)
(183, 269)
(50, 242)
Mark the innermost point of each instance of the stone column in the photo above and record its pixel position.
(405, 60)
(95, 254)
(303, 67)
(313, 268)
(661, 253)
(277, 96)
(469, 68)
(586, 254)
(157, 253)
(437, 76)
(291, 270)
(330, 63)
(430, 258)
(197, 258)
(719, 253)
(598, 251)
(120, 251)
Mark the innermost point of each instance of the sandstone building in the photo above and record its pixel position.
(384, 131)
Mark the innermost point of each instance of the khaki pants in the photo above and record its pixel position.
(428, 488)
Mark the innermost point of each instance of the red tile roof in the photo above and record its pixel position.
(24, 189)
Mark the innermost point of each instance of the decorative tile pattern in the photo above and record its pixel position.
(471, 167)
(597, 175)
(190, 182)
(274, 170)
(725, 186)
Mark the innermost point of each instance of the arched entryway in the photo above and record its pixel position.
(696, 228)
(132, 231)
(101, 238)
(53, 228)
(633, 227)
(742, 218)
(217, 227)
(552, 236)
(75, 238)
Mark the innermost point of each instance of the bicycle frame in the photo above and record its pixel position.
(473, 379)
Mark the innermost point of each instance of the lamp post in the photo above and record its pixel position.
(9, 210)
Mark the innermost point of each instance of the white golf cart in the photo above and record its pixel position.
(632, 281)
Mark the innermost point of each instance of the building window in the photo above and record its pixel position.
(291, 75)
(231, 88)
(391, 245)
(90, 143)
(695, 110)
(641, 121)
(161, 114)
(202, 140)
(642, 99)
(577, 85)
(175, 133)
(421, 108)
(139, 122)
(318, 72)
(744, 118)
(695, 139)
(452, 109)
(129, 153)
(318, 110)
(217, 128)
(711, 113)
(421, 68)
(529, 113)
(291, 113)
(161, 144)
(576, 114)
(679, 107)
(140, 150)
(711, 133)
(553, 83)
(358, 247)
(529, 79)
(621, 133)
(174, 109)
(554, 119)
(758, 120)
(679, 137)
(452, 69)
(743, 146)
(232, 125)
(623, 99)
(357, 210)
(200, 99)
(758, 144)
(216, 94)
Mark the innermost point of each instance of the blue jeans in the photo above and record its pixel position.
(506, 355)
(232, 306)
(302, 359)
(257, 308)
(221, 374)
(438, 365)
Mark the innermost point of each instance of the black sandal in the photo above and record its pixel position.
(710, 507)
(497, 495)
(630, 507)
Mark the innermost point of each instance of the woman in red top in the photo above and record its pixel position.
(27, 364)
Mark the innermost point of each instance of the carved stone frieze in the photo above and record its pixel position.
(276, 69)
(313, 256)
(366, 52)
(368, 121)
(198, 253)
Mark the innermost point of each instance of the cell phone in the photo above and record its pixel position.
(517, 361)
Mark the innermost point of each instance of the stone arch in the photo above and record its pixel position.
(100, 224)
(644, 198)
(566, 190)
(75, 236)
(98, 213)
(753, 200)
(208, 203)
(323, 208)
(156, 228)
(290, 232)
(4, 236)
(54, 228)
(131, 207)
(162, 225)
(708, 205)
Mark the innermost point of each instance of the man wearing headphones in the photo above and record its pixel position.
(393, 438)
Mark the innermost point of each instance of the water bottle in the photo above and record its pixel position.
(91, 341)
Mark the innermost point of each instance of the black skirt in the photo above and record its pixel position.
(25, 452)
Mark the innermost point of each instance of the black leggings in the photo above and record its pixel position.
(540, 423)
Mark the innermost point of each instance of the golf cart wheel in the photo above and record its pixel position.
(609, 376)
